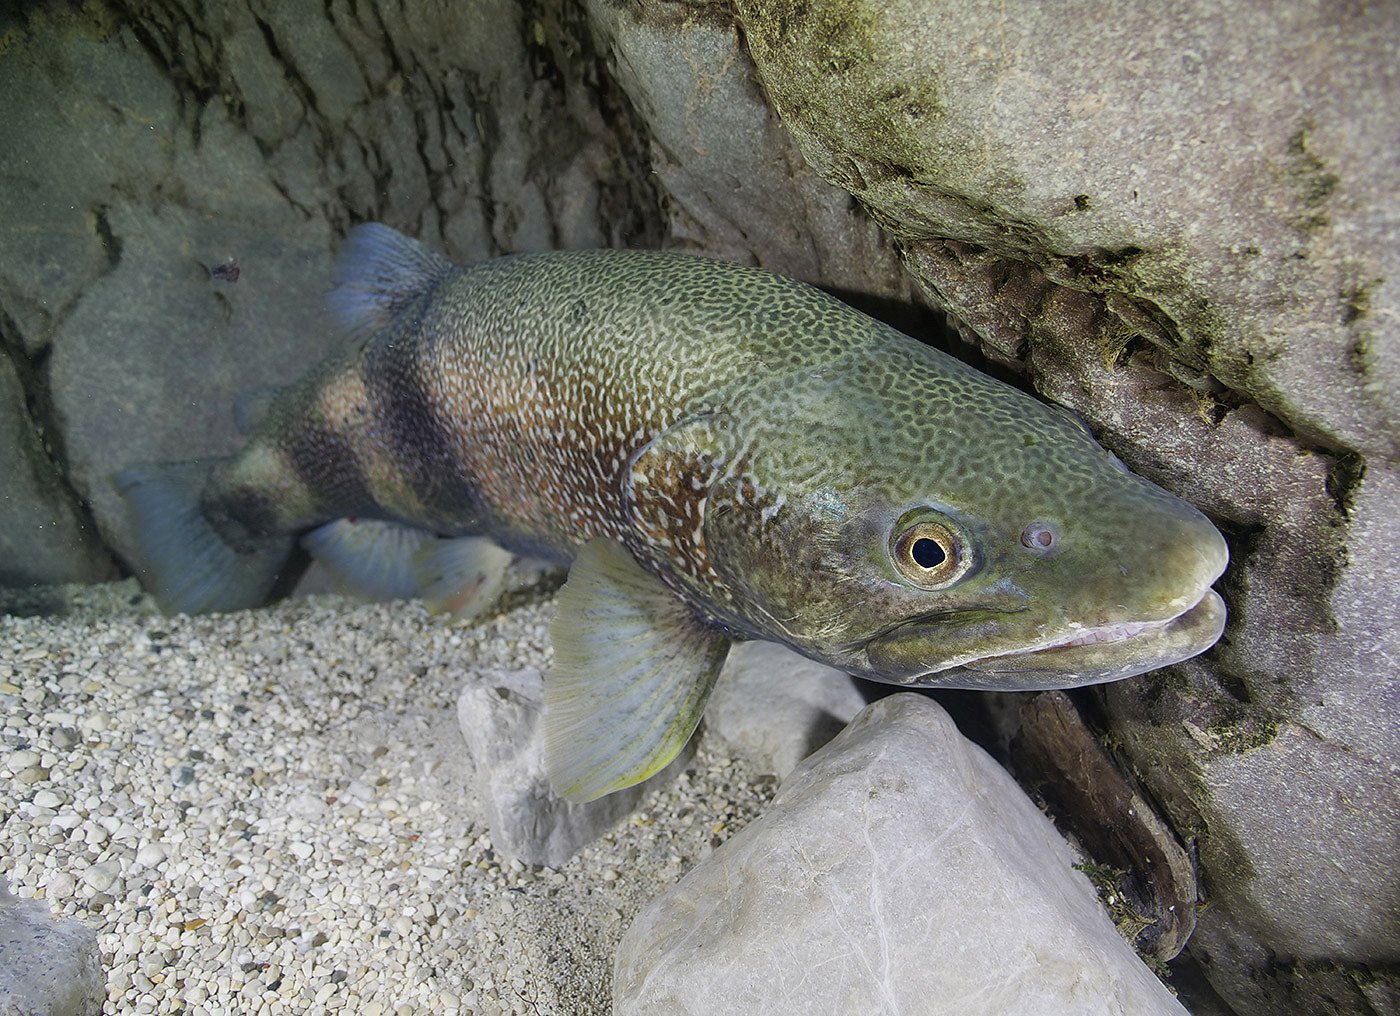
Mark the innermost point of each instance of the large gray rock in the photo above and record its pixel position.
(734, 184)
(1181, 223)
(899, 870)
(500, 713)
(47, 967)
(776, 707)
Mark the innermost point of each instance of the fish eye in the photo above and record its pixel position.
(927, 554)
(1039, 536)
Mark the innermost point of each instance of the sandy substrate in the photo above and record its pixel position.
(273, 812)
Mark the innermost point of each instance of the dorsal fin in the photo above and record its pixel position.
(380, 272)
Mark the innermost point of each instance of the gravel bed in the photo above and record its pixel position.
(272, 812)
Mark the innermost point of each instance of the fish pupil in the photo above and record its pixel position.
(927, 553)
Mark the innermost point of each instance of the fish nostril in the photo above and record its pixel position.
(1039, 536)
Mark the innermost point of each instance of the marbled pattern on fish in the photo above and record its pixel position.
(728, 453)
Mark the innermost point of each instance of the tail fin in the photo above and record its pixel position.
(180, 558)
(380, 272)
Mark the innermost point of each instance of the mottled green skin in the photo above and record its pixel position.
(752, 441)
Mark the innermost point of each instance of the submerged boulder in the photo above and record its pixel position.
(500, 715)
(47, 966)
(776, 707)
(44, 539)
(900, 869)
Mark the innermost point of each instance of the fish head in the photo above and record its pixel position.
(974, 538)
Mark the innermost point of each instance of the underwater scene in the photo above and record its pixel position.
(569, 507)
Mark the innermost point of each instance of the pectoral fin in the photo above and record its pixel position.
(633, 667)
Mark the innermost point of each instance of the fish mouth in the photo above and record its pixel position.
(1105, 634)
(1084, 655)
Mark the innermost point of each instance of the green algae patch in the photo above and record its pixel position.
(1313, 181)
(1244, 734)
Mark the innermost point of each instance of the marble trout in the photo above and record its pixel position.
(721, 453)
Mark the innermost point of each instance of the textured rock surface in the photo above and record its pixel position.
(900, 869)
(145, 155)
(47, 967)
(733, 182)
(500, 717)
(776, 707)
(1182, 225)
(43, 537)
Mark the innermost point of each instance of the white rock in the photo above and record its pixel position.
(60, 885)
(777, 707)
(899, 870)
(151, 854)
(500, 719)
(102, 877)
(51, 967)
(18, 761)
(49, 799)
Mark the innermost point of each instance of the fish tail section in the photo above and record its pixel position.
(378, 273)
(180, 557)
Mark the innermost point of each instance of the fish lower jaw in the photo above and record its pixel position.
(1120, 631)
(1106, 633)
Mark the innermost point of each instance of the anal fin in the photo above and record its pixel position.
(391, 561)
(633, 668)
(369, 558)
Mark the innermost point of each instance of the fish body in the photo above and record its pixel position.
(722, 453)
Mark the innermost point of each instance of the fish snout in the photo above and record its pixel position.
(1185, 555)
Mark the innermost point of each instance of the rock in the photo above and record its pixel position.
(734, 183)
(500, 718)
(44, 539)
(899, 869)
(47, 966)
(1166, 157)
(776, 707)
(175, 181)
(1180, 224)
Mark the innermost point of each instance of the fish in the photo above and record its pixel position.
(718, 453)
